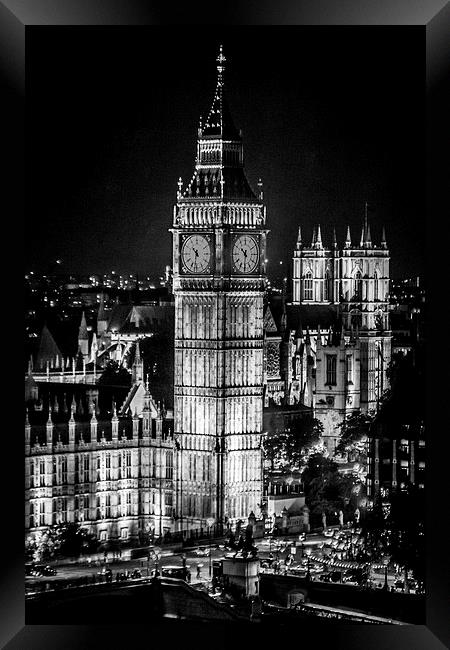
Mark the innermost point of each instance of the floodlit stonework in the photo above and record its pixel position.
(219, 241)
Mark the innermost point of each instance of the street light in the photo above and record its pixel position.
(386, 564)
(210, 521)
(308, 557)
(157, 558)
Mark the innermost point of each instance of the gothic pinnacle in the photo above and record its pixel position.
(348, 239)
(319, 237)
(383, 238)
(220, 66)
(334, 238)
(260, 190)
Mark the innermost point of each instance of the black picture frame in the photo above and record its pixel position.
(16, 18)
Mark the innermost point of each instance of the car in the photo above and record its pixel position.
(400, 584)
(179, 572)
(324, 577)
(38, 570)
(202, 552)
(298, 571)
(29, 570)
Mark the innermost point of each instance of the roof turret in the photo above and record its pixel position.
(334, 238)
(319, 238)
(219, 166)
(82, 331)
(348, 239)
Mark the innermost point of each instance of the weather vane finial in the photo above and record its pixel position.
(220, 63)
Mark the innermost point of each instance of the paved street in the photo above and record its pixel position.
(198, 561)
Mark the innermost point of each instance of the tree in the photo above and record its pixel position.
(304, 434)
(287, 447)
(353, 429)
(115, 375)
(66, 539)
(273, 448)
(326, 490)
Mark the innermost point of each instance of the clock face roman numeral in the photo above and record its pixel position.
(245, 254)
(196, 254)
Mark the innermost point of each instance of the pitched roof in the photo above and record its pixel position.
(311, 316)
(269, 321)
(141, 318)
(219, 123)
(48, 350)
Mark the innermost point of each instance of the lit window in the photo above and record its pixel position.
(308, 286)
(168, 502)
(42, 473)
(42, 513)
(349, 369)
(327, 286)
(169, 464)
(358, 286)
(331, 369)
(32, 469)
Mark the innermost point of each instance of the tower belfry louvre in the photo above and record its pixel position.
(219, 242)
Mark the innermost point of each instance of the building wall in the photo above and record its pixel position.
(118, 488)
(393, 462)
(356, 280)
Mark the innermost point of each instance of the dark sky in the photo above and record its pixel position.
(331, 117)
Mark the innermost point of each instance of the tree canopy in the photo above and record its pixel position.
(66, 539)
(353, 429)
(326, 490)
(286, 447)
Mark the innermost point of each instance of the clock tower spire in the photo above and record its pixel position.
(219, 242)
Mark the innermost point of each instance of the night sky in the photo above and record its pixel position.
(331, 117)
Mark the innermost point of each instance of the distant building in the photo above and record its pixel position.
(329, 348)
(397, 441)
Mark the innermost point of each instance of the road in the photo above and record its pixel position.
(198, 561)
(197, 564)
(318, 547)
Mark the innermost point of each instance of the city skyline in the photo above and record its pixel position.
(109, 142)
(221, 412)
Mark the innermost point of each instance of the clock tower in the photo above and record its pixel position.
(219, 250)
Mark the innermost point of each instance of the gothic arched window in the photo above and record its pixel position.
(376, 287)
(358, 285)
(328, 286)
(308, 286)
(355, 318)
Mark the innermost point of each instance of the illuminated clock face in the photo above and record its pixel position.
(196, 254)
(245, 254)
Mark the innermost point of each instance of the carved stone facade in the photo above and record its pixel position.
(218, 284)
(114, 475)
(334, 336)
